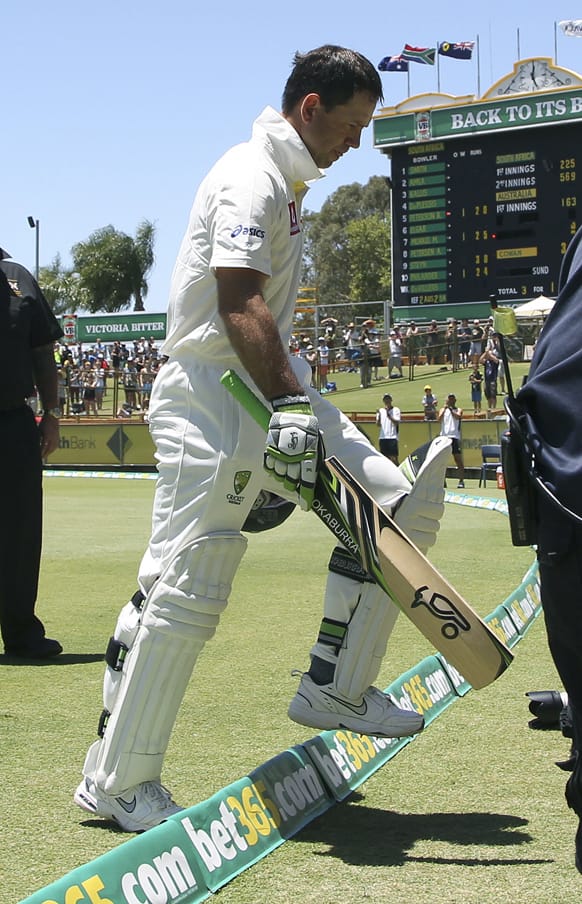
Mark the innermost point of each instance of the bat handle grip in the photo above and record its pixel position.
(247, 398)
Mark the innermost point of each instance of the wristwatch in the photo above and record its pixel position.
(55, 412)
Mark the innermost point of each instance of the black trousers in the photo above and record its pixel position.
(20, 527)
(560, 563)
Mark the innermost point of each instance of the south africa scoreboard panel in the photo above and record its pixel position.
(483, 215)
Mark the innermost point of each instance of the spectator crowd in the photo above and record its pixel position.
(124, 372)
(362, 348)
(121, 372)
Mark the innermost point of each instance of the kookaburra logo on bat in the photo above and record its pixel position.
(441, 607)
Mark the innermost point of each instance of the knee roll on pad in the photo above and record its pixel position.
(194, 588)
(180, 613)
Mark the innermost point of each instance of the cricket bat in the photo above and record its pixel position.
(395, 563)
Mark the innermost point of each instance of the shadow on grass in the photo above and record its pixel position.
(365, 836)
(108, 825)
(62, 659)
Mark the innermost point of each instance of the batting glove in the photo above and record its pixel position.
(292, 449)
(420, 512)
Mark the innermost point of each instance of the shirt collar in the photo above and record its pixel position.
(289, 151)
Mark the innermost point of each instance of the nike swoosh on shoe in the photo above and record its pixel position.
(128, 806)
(359, 710)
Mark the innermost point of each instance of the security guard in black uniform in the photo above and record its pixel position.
(552, 400)
(28, 331)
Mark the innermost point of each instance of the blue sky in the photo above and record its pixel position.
(114, 111)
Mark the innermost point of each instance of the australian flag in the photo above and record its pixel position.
(461, 51)
(393, 64)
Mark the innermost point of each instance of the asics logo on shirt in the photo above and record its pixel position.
(253, 231)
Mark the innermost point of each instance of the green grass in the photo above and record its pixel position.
(407, 394)
(472, 811)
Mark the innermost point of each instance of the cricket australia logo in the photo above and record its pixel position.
(442, 608)
(241, 479)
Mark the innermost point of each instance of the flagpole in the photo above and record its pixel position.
(478, 69)
(438, 65)
(518, 47)
(556, 41)
(408, 79)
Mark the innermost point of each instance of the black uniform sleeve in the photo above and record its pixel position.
(552, 395)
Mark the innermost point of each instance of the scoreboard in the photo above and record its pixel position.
(486, 214)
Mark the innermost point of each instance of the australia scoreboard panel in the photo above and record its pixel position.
(483, 215)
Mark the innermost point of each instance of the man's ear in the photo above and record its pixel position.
(309, 105)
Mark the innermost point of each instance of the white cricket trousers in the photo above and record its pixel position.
(209, 453)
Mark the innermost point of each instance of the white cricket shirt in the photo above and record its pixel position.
(246, 214)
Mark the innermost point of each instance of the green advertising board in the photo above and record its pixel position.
(113, 327)
(496, 115)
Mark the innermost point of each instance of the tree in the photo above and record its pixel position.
(113, 267)
(143, 261)
(369, 251)
(338, 272)
(62, 288)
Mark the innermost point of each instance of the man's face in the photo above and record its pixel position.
(330, 134)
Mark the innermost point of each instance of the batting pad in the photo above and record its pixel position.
(360, 658)
(125, 633)
(180, 614)
(370, 616)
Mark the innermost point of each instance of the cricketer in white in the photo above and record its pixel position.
(232, 300)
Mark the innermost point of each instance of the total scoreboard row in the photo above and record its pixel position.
(493, 214)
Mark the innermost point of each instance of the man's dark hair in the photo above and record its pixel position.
(335, 73)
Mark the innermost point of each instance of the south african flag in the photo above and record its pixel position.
(424, 55)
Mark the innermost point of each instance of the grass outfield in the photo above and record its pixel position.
(472, 811)
(407, 394)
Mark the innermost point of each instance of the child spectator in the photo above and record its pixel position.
(476, 381)
(429, 404)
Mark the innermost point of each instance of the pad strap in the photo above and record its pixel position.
(344, 563)
(115, 654)
(103, 720)
(332, 633)
(137, 599)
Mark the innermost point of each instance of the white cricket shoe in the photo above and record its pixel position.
(136, 810)
(320, 706)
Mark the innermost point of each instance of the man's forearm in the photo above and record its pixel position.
(253, 333)
(45, 375)
(258, 344)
